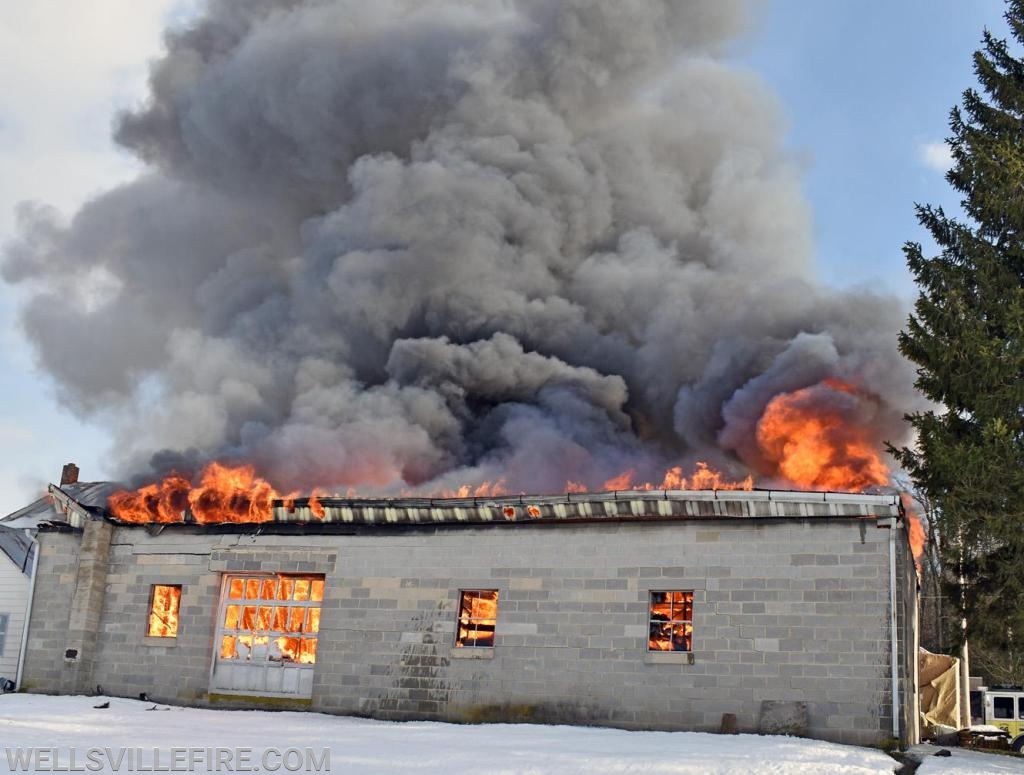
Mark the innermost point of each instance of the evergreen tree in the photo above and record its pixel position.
(967, 337)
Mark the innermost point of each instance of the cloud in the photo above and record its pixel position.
(936, 155)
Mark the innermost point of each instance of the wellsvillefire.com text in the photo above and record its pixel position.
(168, 760)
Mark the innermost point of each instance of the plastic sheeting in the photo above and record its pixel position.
(940, 691)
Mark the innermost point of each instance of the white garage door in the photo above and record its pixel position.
(267, 635)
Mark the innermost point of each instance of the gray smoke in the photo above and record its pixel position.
(412, 244)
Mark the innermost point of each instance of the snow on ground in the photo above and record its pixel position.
(964, 762)
(359, 746)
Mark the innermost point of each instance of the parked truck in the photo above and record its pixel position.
(1002, 708)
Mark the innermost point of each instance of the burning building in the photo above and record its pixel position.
(473, 249)
(644, 609)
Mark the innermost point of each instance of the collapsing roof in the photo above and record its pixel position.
(585, 507)
(88, 495)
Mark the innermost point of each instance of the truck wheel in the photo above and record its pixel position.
(1018, 743)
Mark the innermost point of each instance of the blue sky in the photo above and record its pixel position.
(866, 88)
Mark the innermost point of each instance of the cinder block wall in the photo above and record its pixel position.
(787, 611)
(45, 668)
(793, 611)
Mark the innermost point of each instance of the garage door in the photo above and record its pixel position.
(267, 635)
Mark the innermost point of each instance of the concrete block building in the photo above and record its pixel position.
(641, 610)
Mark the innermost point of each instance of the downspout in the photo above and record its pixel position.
(28, 611)
(894, 653)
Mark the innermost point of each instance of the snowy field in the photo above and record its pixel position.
(359, 746)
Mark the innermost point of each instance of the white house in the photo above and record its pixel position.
(16, 558)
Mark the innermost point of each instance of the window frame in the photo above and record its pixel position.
(237, 632)
(471, 619)
(671, 621)
(5, 626)
(150, 612)
(1013, 707)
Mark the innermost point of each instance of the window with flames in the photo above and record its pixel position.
(164, 603)
(478, 616)
(272, 619)
(671, 620)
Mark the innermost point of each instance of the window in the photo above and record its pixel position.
(1002, 707)
(1020, 702)
(478, 615)
(4, 619)
(164, 603)
(671, 620)
(271, 619)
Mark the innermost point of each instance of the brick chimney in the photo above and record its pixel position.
(69, 474)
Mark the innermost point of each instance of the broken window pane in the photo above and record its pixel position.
(316, 592)
(287, 650)
(307, 653)
(478, 612)
(163, 611)
(671, 621)
(260, 633)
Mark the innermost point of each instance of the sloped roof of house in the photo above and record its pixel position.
(18, 547)
(91, 495)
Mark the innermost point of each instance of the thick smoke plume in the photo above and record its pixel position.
(404, 245)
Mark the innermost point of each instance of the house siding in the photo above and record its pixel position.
(13, 598)
(786, 610)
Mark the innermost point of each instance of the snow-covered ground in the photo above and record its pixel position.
(359, 746)
(963, 762)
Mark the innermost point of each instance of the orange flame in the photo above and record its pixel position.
(478, 613)
(223, 494)
(482, 490)
(316, 508)
(703, 478)
(813, 446)
(671, 620)
(805, 437)
(917, 535)
(163, 612)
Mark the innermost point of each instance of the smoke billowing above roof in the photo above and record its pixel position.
(400, 246)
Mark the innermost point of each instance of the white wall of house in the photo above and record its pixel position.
(14, 586)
